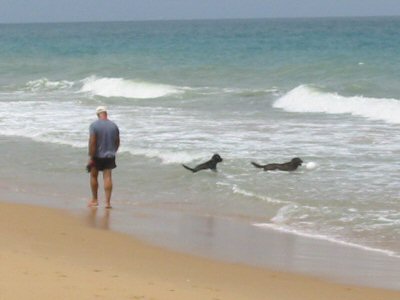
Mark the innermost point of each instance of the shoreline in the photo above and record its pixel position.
(234, 241)
(228, 240)
(50, 252)
(177, 226)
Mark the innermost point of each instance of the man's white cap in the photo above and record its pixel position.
(101, 109)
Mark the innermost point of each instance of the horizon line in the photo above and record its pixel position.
(197, 19)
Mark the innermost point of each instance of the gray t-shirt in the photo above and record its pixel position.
(107, 133)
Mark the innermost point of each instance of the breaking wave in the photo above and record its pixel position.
(43, 84)
(119, 87)
(306, 99)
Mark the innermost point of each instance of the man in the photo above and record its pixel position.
(103, 145)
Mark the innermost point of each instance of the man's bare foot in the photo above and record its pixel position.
(93, 203)
(108, 206)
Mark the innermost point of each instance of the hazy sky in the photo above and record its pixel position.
(16, 11)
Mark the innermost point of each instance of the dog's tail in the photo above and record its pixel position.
(188, 168)
(256, 165)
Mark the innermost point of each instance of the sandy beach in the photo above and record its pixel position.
(48, 254)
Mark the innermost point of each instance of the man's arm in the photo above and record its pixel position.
(117, 143)
(92, 146)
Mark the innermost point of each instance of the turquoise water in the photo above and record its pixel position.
(280, 53)
(325, 90)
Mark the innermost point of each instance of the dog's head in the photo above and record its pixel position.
(216, 158)
(296, 161)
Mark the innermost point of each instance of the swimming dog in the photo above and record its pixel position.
(289, 166)
(211, 164)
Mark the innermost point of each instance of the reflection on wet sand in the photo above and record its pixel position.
(97, 220)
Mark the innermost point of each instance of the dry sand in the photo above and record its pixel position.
(48, 254)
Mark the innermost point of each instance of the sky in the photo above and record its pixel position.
(27, 11)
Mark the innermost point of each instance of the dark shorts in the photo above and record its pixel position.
(106, 163)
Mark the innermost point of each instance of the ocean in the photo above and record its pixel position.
(324, 90)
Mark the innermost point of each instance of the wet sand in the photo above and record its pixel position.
(48, 254)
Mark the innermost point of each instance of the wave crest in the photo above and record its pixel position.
(307, 99)
(43, 84)
(119, 87)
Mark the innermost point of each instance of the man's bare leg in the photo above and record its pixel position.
(94, 186)
(108, 186)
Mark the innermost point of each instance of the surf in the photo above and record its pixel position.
(44, 84)
(307, 99)
(120, 87)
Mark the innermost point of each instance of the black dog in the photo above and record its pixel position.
(289, 166)
(211, 164)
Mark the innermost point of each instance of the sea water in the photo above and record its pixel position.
(324, 90)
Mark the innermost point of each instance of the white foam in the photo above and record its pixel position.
(310, 165)
(306, 99)
(45, 84)
(40, 121)
(237, 190)
(167, 157)
(284, 213)
(119, 87)
(250, 92)
(316, 236)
